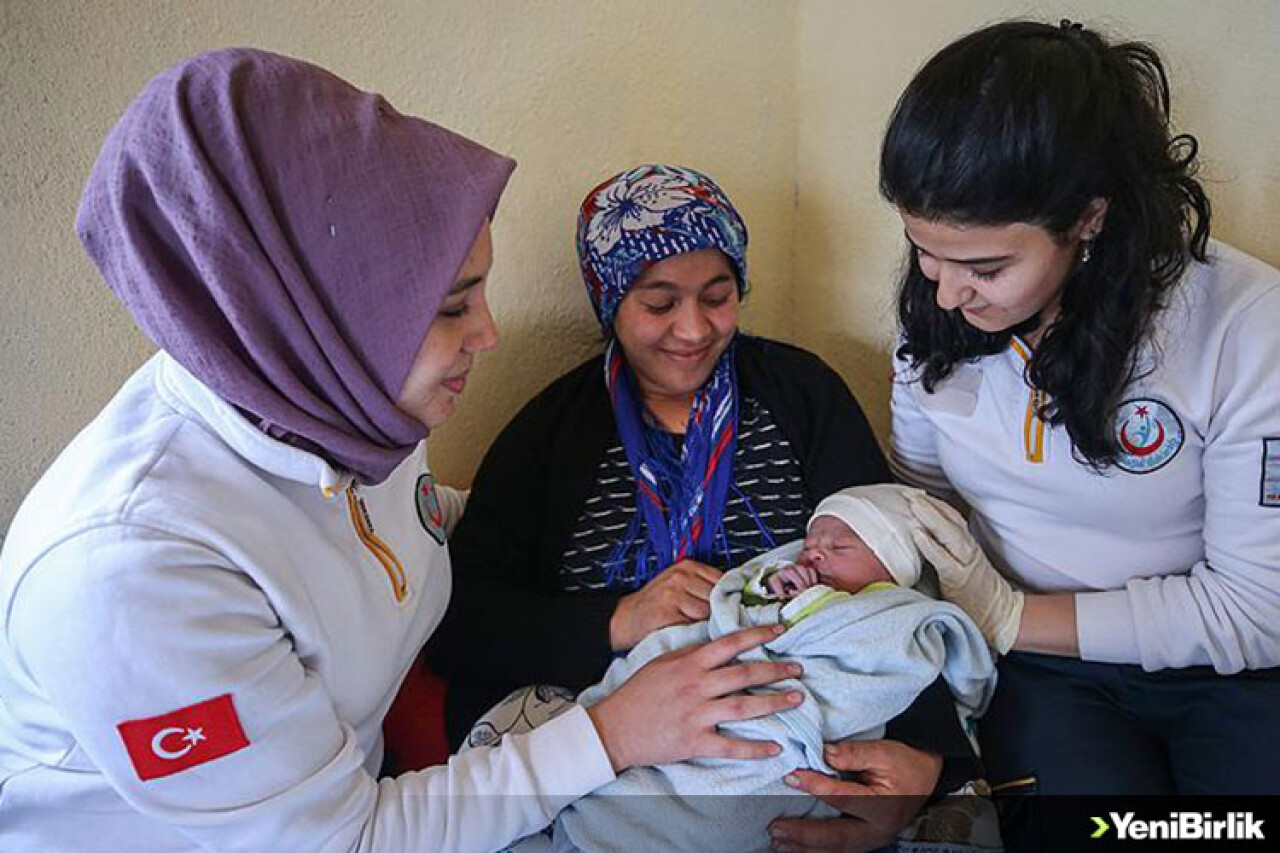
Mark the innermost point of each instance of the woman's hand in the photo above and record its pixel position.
(669, 709)
(965, 574)
(680, 595)
(904, 775)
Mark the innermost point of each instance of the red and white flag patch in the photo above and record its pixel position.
(163, 745)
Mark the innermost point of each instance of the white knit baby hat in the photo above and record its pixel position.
(880, 515)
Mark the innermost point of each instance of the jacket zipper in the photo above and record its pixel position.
(363, 525)
(1032, 425)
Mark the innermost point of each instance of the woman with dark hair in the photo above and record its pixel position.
(610, 504)
(1096, 379)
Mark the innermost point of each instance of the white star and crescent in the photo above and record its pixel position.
(191, 736)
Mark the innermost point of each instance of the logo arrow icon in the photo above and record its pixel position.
(1103, 826)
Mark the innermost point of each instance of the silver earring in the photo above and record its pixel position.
(1087, 247)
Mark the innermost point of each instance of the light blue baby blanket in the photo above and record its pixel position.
(866, 657)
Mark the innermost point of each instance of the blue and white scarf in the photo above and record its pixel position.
(681, 493)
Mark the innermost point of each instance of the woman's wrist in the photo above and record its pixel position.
(613, 741)
(1049, 625)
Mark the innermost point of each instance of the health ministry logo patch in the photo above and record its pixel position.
(429, 511)
(163, 745)
(1149, 434)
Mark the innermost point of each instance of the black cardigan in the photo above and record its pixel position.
(509, 623)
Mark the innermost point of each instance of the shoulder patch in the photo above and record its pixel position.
(1270, 493)
(429, 511)
(172, 742)
(1149, 434)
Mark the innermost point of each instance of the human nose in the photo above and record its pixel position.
(691, 322)
(484, 336)
(811, 554)
(953, 292)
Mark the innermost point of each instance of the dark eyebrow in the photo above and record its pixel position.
(661, 284)
(993, 259)
(466, 284)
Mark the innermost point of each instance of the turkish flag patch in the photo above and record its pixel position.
(163, 745)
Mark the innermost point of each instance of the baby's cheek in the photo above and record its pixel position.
(853, 573)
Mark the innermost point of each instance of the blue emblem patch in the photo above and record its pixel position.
(1149, 434)
(429, 511)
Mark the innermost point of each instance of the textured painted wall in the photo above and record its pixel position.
(574, 90)
(783, 102)
(853, 61)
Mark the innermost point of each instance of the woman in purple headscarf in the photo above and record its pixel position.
(609, 505)
(209, 600)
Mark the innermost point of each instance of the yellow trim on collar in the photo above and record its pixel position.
(1032, 425)
(381, 552)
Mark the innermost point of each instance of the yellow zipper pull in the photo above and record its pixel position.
(1033, 429)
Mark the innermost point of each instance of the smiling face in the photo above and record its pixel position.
(462, 327)
(674, 323)
(839, 556)
(999, 276)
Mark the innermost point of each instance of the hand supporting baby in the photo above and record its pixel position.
(966, 576)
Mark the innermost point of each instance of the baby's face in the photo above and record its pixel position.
(840, 557)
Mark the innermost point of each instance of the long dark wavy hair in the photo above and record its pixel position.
(1027, 122)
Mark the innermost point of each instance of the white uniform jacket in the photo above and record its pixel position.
(201, 629)
(1174, 552)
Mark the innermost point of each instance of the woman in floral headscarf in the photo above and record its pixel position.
(607, 508)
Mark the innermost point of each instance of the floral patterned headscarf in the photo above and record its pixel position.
(645, 215)
(626, 225)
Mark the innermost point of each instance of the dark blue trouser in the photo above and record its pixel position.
(1063, 726)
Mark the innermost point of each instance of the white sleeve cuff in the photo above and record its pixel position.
(568, 756)
(1105, 628)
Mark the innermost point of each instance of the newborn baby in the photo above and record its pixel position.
(858, 540)
(869, 644)
(833, 555)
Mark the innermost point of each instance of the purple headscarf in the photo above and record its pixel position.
(288, 239)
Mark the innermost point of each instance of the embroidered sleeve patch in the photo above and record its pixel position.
(430, 513)
(163, 745)
(1270, 472)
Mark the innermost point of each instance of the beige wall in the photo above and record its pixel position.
(574, 90)
(782, 102)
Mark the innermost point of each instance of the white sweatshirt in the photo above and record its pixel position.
(1175, 553)
(201, 629)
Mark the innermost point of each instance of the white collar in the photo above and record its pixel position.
(185, 392)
